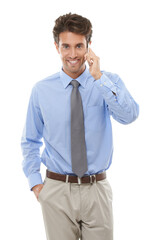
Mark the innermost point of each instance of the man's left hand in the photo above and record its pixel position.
(94, 64)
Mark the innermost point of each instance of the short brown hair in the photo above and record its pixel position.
(72, 23)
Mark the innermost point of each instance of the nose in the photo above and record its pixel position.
(73, 53)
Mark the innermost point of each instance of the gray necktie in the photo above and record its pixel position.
(78, 145)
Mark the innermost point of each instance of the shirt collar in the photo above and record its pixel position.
(66, 79)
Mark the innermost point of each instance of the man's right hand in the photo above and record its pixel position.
(36, 189)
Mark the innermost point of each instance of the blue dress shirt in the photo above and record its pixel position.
(49, 118)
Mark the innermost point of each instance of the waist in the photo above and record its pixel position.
(75, 179)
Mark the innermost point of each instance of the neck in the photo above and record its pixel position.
(74, 75)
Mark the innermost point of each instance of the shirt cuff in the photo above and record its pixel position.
(105, 84)
(34, 179)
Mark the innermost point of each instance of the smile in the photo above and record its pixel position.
(73, 62)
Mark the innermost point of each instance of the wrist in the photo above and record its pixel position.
(97, 76)
(37, 187)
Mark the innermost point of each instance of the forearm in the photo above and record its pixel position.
(31, 141)
(31, 162)
(120, 103)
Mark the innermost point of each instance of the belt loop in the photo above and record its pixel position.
(95, 179)
(92, 177)
(67, 178)
(79, 180)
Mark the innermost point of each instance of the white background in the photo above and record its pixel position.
(125, 38)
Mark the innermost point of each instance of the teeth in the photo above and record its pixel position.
(73, 62)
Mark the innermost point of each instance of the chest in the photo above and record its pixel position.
(55, 105)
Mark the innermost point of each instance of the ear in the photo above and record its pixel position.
(57, 47)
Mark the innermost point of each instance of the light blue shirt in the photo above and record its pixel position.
(49, 118)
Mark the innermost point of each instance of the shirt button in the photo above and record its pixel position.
(101, 85)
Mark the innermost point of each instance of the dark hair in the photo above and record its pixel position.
(72, 23)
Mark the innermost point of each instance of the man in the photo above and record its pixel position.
(71, 111)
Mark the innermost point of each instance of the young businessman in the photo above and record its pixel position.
(71, 111)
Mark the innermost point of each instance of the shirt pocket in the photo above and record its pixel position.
(95, 119)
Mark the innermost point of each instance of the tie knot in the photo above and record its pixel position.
(75, 83)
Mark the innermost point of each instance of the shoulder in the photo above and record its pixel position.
(48, 80)
(45, 84)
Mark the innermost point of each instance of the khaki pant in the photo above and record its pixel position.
(72, 211)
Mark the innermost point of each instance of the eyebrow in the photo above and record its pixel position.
(63, 44)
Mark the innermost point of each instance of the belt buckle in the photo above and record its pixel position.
(79, 180)
(91, 178)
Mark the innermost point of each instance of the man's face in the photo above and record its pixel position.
(72, 48)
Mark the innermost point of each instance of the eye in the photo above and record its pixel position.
(65, 46)
(79, 46)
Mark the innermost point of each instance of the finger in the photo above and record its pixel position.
(91, 53)
(91, 56)
(85, 56)
(90, 61)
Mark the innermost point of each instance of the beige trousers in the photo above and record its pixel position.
(72, 211)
